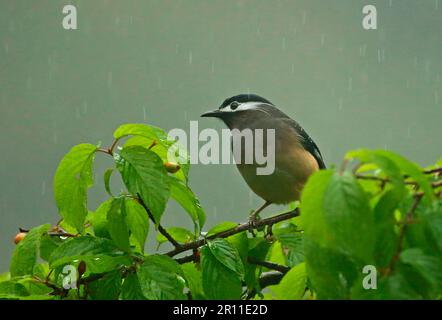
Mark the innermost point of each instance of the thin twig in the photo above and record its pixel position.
(238, 229)
(408, 219)
(269, 265)
(112, 147)
(160, 228)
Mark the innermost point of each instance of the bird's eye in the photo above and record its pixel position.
(234, 105)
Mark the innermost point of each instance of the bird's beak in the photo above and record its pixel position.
(212, 114)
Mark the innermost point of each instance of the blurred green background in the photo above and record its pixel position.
(165, 62)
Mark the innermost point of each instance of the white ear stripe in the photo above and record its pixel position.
(243, 106)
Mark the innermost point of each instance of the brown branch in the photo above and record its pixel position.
(437, 184)
(110, 150)
(433, 171)
(238, 229)
(407, 220)
(56, 291)
(104, 150)
(112, 147)
(62, 234)
(380, 179)
(160, 228)
(269, 265)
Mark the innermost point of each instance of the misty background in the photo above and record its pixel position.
(166, 62)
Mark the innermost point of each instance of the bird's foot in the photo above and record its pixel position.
(253, 220)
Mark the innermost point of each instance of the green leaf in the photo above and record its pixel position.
(433, 225)
(276, 254)
(312, 208)
(35, 288)
(258, 249)
(349, 217)
(194, 280)
(26, 252)
(139, 129)
(227, 255)
(161, 279)
(331, 273)
(137, 221)
(216, 275)
(73, 177)
(47, 245)
(386, 164)
(292, 285)
(182, 194)
(412, 170)
(143, 173)
(386, 237)
(428, 266)
(82, 246)
(240, 242)
(144, 135)
(96, 263)
(223, 226)
(116, 224)
(131, 289)
(179, 234)
(294, 244)
(107, 287)
(107, 176)
(99, 219)
(12, 290)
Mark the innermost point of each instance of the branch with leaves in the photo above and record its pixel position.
(347, 223)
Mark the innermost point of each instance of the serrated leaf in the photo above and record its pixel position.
(131, 289)
(344, 203)
(82, 246)
(161, 279)
(106, 288)
(26, 252)
(429, 267)
(137, 222)
(143, 173)
(144, 135)
(194, 280)
(47, 245)
(216, 275)
(72, 179)
(294, 244)
(227, 255)
(96, 263)
(116, 224)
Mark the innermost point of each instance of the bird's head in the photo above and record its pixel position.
(241, 107)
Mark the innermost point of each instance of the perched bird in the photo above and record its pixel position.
(296, 155)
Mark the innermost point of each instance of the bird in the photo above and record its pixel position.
(296, 155)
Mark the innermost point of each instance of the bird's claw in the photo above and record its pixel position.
(253, 219)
